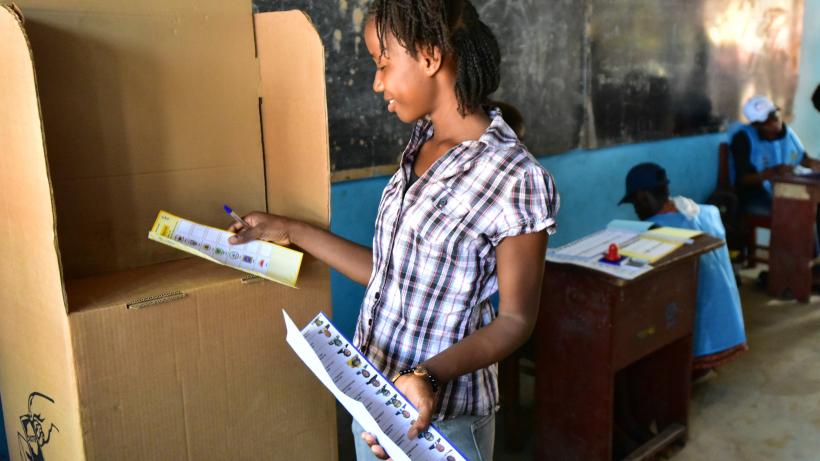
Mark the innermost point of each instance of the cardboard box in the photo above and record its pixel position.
(113, 347)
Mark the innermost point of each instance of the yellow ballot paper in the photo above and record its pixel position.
(649, 249)
(675, 234)
(263, 259)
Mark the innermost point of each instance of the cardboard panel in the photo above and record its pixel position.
(294, 116)
(35, 352)
(124, 287)
(208, 376)
(128, 217)
(146, 105)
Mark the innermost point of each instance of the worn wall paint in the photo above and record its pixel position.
(806, 121)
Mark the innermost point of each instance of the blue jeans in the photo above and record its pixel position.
(472, 435)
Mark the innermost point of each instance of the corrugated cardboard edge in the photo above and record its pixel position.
(68, 443)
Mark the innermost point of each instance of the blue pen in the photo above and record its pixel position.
(235, 216)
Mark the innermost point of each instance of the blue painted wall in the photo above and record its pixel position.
(806, 119)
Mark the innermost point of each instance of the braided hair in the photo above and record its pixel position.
(452, 26)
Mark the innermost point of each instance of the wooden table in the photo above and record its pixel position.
(593, 326)
(791, 247)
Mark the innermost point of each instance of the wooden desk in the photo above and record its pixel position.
(591, 326)
(791, 247)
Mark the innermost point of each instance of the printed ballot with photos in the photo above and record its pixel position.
(114, 347)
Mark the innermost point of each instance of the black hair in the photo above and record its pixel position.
(452, 26)
(815, 98)
(512, 117)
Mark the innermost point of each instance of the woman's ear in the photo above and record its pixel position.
(431, 60)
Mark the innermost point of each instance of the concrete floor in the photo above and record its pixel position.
(763, 406)
(766, 404)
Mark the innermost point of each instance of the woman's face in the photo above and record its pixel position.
(401, 78)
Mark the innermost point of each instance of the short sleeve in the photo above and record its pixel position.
(529, 205)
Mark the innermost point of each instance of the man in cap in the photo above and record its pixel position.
(719, 334)
(762, 150)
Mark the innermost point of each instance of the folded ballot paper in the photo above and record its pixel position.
(263, 259)
(369, 397)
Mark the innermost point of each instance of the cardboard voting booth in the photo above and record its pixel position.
(113, 347)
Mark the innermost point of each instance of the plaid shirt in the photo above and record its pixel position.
(434, 262)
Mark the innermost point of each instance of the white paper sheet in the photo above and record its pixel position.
(369, 397)
(587, 252)
(649, 249)
(596, 244)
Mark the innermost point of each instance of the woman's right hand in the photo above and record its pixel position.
(263, 226)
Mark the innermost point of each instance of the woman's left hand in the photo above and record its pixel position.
(420, 393)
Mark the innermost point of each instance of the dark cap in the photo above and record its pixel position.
(643, 176)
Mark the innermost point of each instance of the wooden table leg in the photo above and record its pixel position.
(791, 248)
(660, 385)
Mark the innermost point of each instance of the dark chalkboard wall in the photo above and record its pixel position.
(542, 56)
(585, 73)
(648, 66)
(662, 68)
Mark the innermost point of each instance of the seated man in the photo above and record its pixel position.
(763, 149)
(719, 334)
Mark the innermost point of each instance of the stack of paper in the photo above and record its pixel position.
(587, 252)
(674, 234)
(635, 239)
(263, 259)
(649, 249)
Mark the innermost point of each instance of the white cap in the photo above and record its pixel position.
(758, 108)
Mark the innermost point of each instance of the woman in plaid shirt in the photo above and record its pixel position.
(467, 214)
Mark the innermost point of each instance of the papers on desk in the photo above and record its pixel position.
(642, 247)
(587, 252)
(649, 249)
(369, 397)
(674, 234)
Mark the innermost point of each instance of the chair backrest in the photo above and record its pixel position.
(723, 167)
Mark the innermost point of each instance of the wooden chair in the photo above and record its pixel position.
(753, 222)
(750, 221)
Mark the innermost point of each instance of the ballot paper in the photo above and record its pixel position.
(673, 234)
(641, 246)
(649, 249)
(369, 397)
(263, 259)
(587, 252)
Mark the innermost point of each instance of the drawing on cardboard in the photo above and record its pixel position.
(33, 438)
